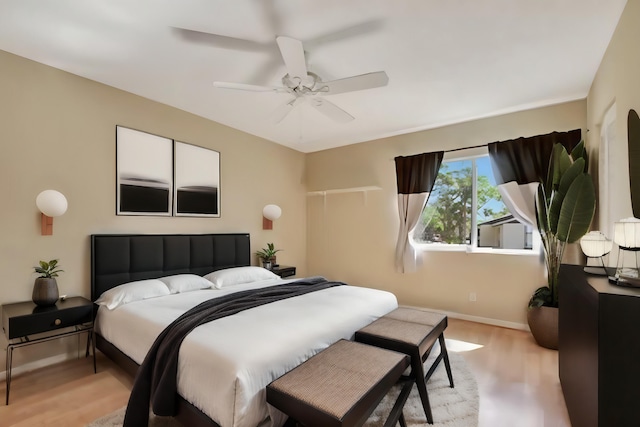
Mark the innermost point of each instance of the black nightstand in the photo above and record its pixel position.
(22, 319)
(284, 271)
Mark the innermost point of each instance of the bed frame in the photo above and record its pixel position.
(122, 258)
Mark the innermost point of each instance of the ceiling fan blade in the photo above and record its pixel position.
(346, 33)
(351, 84)
(283, 110)
(293, 56)
(251, 88)
(331, 110)
(223, 42)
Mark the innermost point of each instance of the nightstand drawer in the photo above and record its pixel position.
(284, 271)
(22, 319)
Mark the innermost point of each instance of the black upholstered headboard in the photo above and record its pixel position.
(120, 258)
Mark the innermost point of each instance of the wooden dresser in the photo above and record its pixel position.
(599, 349)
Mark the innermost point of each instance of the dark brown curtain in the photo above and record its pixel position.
(526, 160)
(417, 173)
(519, 165)
(415, 178)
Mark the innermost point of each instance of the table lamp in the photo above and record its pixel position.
(595, 244)
(627, 237)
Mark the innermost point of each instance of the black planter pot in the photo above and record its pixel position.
(45, 291)
(543, 322)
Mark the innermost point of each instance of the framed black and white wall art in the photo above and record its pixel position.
(197, 181)
(144, 173)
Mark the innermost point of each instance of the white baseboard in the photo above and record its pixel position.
(478, 319)
(31, 366)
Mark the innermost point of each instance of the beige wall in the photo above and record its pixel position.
(617, 80)
(352, 236)
(57, 131)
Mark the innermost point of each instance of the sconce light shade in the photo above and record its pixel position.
(269, 214)
(272, 212)
(626, 233)
(51, 203)
(595, 244)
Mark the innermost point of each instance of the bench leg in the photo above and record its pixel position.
(403, 423)
(445, 354)
(396, 413)
(418, 372)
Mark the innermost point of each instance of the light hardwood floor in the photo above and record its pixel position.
(517, 380)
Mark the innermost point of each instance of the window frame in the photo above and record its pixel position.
(472, 247)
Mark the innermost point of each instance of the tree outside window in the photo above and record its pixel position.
(460, 208)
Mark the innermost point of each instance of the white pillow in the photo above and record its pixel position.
(239, 275)
(185, 283)
(132, 291)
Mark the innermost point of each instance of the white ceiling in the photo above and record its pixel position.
(448, 61)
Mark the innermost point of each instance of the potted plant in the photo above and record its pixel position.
(45, 288)
(268, 255)
(565, 205)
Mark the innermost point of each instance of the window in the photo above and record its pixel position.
(606, 155)
(465, 209)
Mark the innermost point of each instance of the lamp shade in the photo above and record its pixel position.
(595, 244)
(271, 212)
(51, 203)
(626, 233)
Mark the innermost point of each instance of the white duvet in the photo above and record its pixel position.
(225, 365)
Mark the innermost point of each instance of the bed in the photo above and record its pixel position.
(224, 365)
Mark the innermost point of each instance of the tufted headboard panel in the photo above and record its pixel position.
(122, 258)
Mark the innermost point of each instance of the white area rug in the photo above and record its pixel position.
(451, 407)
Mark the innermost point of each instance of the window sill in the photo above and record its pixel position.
(521, 252)
(426, 247)
(435, 247)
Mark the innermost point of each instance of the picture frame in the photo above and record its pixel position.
(196, 190)
(144, 173)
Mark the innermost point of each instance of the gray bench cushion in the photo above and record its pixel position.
(345, 381)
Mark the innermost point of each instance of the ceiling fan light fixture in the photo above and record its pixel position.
(302, 83)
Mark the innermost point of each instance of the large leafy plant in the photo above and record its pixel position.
(565, 204)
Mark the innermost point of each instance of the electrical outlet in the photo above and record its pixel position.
(472, 297)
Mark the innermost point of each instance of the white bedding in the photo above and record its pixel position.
(225, 365)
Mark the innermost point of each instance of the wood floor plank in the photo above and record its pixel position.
(517, 380)
(72, 403)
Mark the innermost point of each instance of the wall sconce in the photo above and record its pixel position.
(627, 237)
(269, 214)
(595, 244)
(51, 203)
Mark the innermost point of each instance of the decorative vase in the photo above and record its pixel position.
(45, 291)
(267, 264)
(543, 322)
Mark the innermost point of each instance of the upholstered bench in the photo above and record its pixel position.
(341, 386)
(412, 332)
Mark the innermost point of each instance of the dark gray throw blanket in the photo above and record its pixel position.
(156, 380)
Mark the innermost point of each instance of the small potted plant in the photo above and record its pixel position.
(268, 255)
(45, 288)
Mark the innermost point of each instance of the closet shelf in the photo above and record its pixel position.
(343, 190)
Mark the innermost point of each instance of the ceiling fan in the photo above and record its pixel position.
(307, 86)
